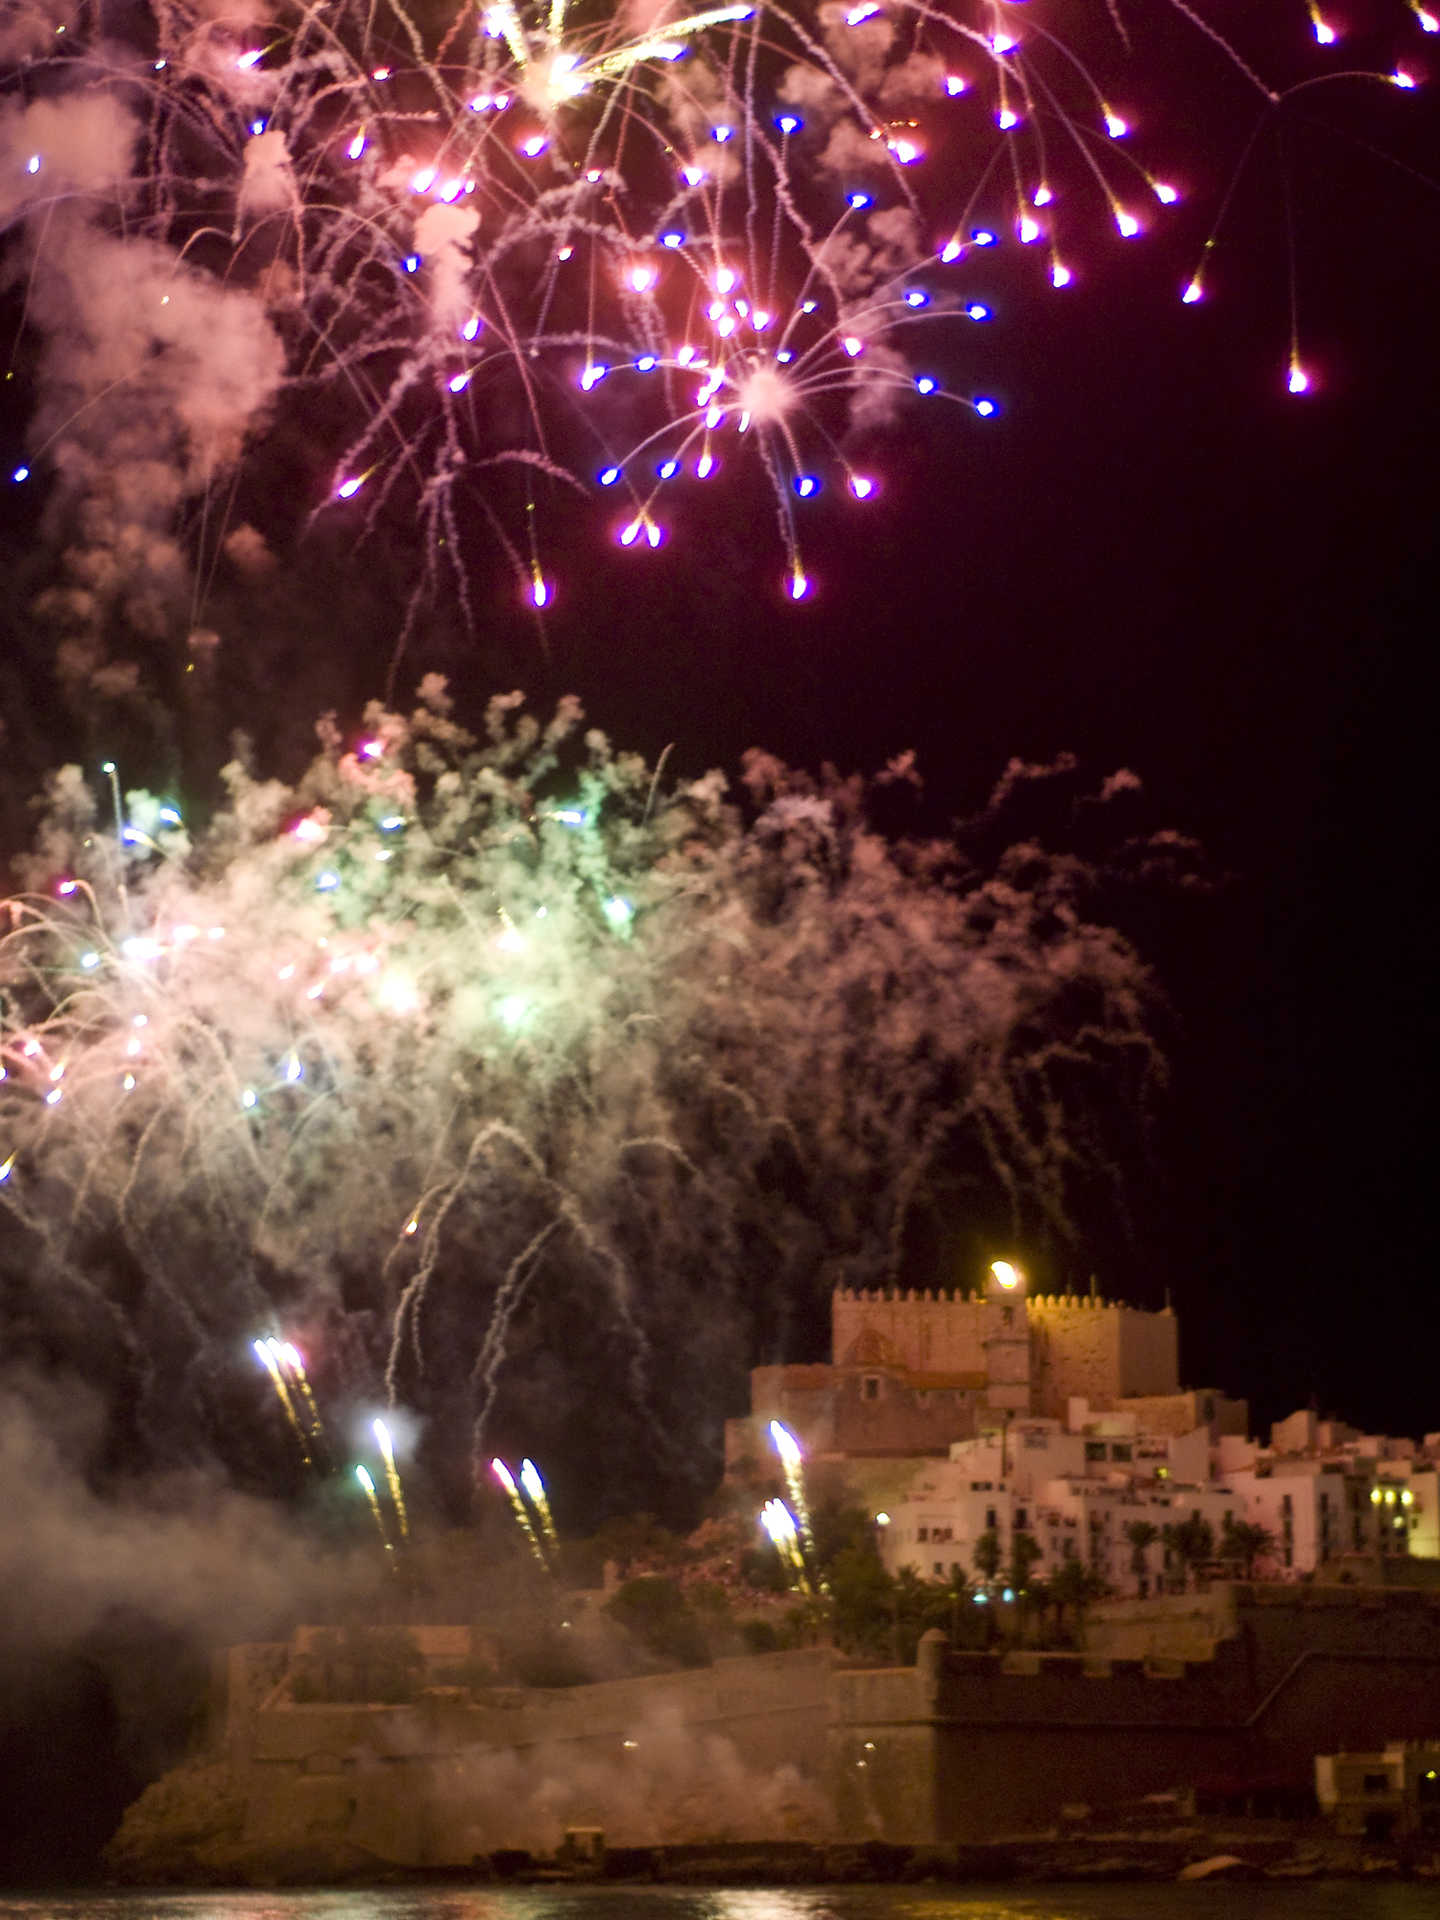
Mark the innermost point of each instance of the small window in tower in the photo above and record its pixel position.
(871, 1388)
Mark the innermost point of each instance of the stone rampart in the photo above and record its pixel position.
(989, 1743)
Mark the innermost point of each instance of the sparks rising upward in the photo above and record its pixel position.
(539, 252)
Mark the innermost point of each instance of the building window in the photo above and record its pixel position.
(1094, 1449)
(939, 1570)
(990, 1520)
(1121, 1451)
(871, 1389)
(1376, 1783)
(922, 1533)
(1022, 1518)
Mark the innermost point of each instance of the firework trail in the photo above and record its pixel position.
(792, 1463)
(367, 1485)
(779, 1523)
(392, 1475)
(531, 1005)
(535, 1487)
(544, 250)
(289, 1357)
(267, 1353)
(521, 1512)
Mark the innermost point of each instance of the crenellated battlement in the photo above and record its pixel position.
(1066, 1345)
(1034, 1302)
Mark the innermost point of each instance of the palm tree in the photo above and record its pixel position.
(1025, 1550)
(1243, 1543)
(1142, 1535)
(987, 1556)
(1075, 1585)
(1192, 1542)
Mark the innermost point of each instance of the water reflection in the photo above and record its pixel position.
(1313, 1901)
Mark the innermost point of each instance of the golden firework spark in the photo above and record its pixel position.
(539, 1499)
(362, 1475)
(792, 1462)
(265, 1353)
(392, 1475)
(779, 1523)
(522, 1514)
(289, 1357)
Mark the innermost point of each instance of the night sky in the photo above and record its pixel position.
(1159, 559)
(1154, 558)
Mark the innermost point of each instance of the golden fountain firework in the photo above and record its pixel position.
(265, 1352)
(535, 1487)
(392, 1475)
(507, 1480)
(363, 1476)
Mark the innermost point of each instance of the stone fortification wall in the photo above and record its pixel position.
(768, 1704)
(1169, 1626)
(1080, 1346)
(990, 1744)
(725, 1750)
(858, 1415)
(928, 1331)
(964, 1747)
(1098, 1350)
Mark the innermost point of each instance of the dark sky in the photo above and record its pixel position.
(1160, 559)
(1153, 557)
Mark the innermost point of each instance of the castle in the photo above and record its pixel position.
(914, 1372)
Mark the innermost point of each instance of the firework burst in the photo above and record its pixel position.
(466, 1051)
(542, 252)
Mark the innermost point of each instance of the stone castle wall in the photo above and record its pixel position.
(839, 1413)
(1098, 1350)
(926, 1331)
(974, 1745)
(962, 1747)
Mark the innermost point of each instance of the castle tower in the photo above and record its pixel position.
(1007, 1339)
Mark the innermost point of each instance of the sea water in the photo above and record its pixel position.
(1312, 1900)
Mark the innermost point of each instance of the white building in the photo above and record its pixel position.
(1327, 1495)
(1074, 1490)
